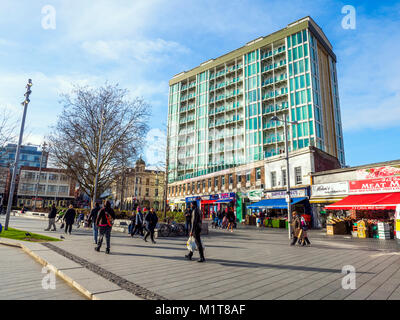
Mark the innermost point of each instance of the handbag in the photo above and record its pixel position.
(191, 244)
(62, 226)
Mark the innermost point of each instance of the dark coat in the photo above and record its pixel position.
(93, 214)
(139, 218)
(69, 216)
(102, 219)
(151, 220)
(196, 221)
(53, 213)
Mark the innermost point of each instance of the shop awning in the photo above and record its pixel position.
(225, 200)
(274, 203)
(207, 201)
(325, 200)
(374, 201)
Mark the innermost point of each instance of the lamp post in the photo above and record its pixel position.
(15, 166)
(96, 180)
(288, 198)
(40, 172)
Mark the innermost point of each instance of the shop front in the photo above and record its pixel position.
(213, 203)
(369, 209)
(226, 200)
(323, 195)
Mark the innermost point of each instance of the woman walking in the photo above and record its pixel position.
(296, 227)
(69, 218)
(151, 220)
(231, 219)
(304, 237)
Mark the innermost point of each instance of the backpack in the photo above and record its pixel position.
(304, 225)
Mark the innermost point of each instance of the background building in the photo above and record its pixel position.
(139, 186)
(54, 187)
(29, 156)
(219, 113)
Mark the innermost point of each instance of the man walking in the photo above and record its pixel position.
(151, 220)
(69, 218)
(296, 227)
(139, 223)
(52, 218)
(188, 221)
(104, 221)
(92, 219)
(195, 232)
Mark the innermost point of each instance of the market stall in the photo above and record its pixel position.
(369, 215)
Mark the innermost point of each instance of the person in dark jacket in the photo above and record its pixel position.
(52, 218)
(188, 221)
(104, 221)
(69, 218)
(195, 232)
(92, 219)
(296, 227)
(132, 224)
(231, 219)
(151, 220)
(139, 224)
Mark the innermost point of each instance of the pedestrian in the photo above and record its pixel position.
(151, 220)
(138, 223)
(214, 219)
(225, 219)
(69, 218)
(188, 221)
(132, 224)
(104, 221)
(195, 232)
(231, 219)
(296, 227)
(220, 216)
(60, 215)
(81, 217)
(304, 237)
(92, 220)
(52, 218)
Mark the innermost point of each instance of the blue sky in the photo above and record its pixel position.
(142, 44)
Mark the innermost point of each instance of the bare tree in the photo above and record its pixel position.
(7, 128)
(74, 142)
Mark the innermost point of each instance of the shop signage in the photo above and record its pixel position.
(255, 195)
(294, 193)
(329, 189)
(209, 197)
(229, 195)
(390, 184)
(378, 172)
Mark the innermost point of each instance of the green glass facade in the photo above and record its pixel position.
(220, 117)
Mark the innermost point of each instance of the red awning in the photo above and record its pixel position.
(374, 201)
(207, 201)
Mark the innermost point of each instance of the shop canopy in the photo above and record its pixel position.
(227, 200)
(274, 203)
(374, 201)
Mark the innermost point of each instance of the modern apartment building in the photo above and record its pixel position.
(29, 156)
(219, 114)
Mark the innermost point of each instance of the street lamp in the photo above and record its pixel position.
(15, 166)
(288, 198)
(98, 159)
(40, 172)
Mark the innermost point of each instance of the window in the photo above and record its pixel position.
(239, 178)
(157, 182)
(147, 181)
(198, 185)
(156, 191)
(247, 176)
(148, 191)
(284, 177)
(273, 179)
(258, 173)
(209, 183)
(230, 179)
(204, 184)
(215, 182)
(298, 176)
(223, 181)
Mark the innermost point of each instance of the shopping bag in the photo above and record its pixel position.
(62, 226)
(191, 244)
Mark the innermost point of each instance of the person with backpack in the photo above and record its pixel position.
(139, 223)
(52, 218)
(151, 220)
(92, 219)
(104, 221)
